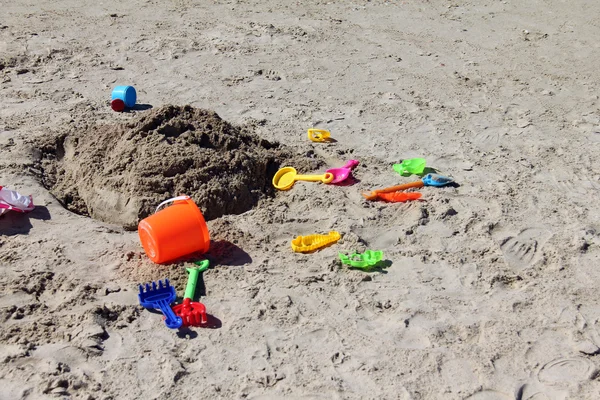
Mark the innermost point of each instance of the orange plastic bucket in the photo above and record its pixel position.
(174, 231)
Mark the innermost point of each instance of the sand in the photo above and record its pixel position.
(490, 291)
(118, 173)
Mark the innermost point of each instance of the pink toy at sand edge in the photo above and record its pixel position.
(342, 173)
(11, 200)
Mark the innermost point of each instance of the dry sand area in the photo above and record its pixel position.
(491, 288)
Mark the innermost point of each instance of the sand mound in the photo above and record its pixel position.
(120, 173)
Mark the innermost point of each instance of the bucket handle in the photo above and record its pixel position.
(170, 200)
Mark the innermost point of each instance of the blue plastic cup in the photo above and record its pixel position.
(125, 93)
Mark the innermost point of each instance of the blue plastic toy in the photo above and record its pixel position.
(125, 93)
(161, 296)
(436, 180)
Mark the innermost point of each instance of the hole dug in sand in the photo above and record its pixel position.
(120, 173)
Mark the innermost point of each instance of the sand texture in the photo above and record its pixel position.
(489, 289)
(119, 173)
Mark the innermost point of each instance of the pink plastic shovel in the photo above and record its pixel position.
(341, 174)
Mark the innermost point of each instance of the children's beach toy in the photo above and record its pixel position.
(202, 266)
(373, 195)
(398, 197)
(126, 94)
(436, 180)
(160, 296)
(284, 178)
(428, 180)
(342, 173)
(192, 313)
(306, 244)
(14, 201)
(410, 166)
(318, 135)
(117, 105)
(366, 260)
(174, 231)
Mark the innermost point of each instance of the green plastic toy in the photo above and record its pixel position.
(203, 264)
(366, 260)
(190, 288)
(192, 313)
(410, 166)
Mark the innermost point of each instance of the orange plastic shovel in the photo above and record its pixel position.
(373, 195)
(398, 197)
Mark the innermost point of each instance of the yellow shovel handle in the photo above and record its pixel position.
(325, 178)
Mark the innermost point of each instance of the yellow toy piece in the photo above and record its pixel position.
(318, 135)
(284, 178)
(306, 244)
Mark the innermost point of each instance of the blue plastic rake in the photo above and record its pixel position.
(160, 296)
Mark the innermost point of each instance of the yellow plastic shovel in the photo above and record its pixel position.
(284, 178)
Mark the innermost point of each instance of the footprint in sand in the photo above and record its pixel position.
(146, 45)
(570, 187)
(519, 252)
(537, 391)
(488, 139)
(575, 187)
(489, 395)
(564, 371)
(269, 74)
(524, 250)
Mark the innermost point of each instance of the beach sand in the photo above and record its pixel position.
(490, 288)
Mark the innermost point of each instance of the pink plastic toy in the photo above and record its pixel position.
(341, 174)
(11, 200)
